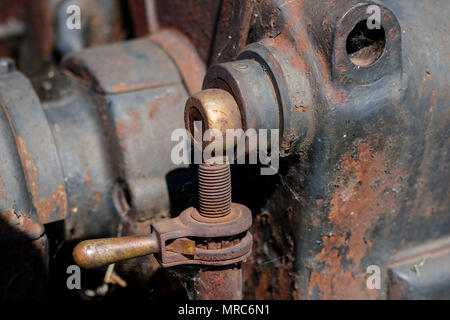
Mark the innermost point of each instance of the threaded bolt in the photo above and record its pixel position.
(214, 189)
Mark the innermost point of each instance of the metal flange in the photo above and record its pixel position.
(190, 224)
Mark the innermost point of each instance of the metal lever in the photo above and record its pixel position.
(99, 252)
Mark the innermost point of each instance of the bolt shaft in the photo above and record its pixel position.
(214, 189)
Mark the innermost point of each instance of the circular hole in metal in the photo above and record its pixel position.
(196, 126)
(365, 44)
(121, 197)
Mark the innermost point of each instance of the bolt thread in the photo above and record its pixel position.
(214, 189)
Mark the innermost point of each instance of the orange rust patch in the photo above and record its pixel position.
(189, 63)
(1, 183)
(302, 108)
(88, 181)
(97, 196)
(340, 96)
(124, 129)
(366, 190)
(29, 167)
(57, 204)
(118, 88)
(299, 64)
(324, 68)
(429, 213)
(121, 129)
(153, 109)
(17, 224)
(135, 126)
(154, 106)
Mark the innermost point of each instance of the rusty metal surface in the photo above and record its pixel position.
(36, 147)
(113, 76)
(131, 111)
(196, 19)
(214, 190)
(86, 139)
(366, 187)
(89, 176)
(232, 31)
(19, 221)
(142, 25)
(218, 284)
(185, 56)
(363, 174)
(192, 225)
(257, 101)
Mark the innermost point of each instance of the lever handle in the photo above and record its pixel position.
(100, 252)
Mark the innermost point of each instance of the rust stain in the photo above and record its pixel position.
(97, 196)
(153, 109)
(336, 283)
(1, 183)
(55, 206)
(88, 181)
(124, 128)
(302, 108)
(16, 224)
(339, 96)
(184, 54)
(119, 88)
(366, 190)
(393, 34)
(155, 105)
(121, 129)
(135, 126)
(271, 274)
(428, 213)
(46, 208)
(299, 64)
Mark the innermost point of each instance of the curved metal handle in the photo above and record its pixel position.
(100, 252)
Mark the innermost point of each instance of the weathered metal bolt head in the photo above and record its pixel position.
(7, 65)
(215, 109)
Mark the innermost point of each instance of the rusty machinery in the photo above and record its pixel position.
(364, 138)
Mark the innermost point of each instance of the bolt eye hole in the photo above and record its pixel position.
(196, 126)
(364, 45)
